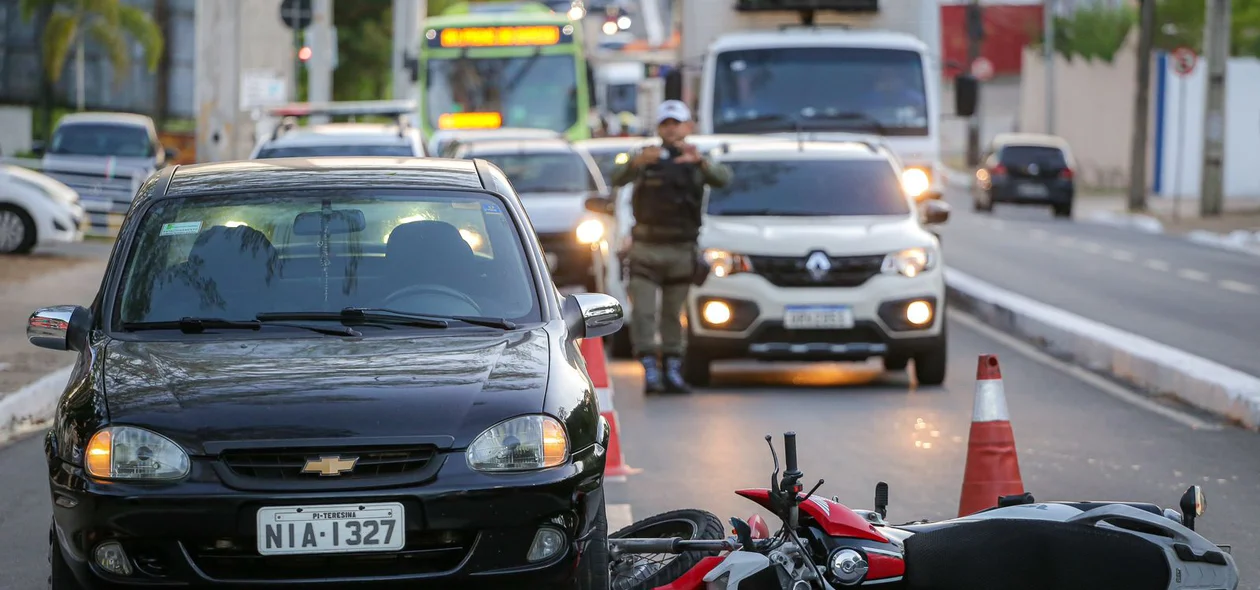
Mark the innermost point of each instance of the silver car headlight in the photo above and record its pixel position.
(523, 443)
(910, 262)
(589, 231)
(125, 452)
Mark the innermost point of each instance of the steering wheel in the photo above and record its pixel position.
(432, 290)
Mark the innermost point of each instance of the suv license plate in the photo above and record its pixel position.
(818, 317)
(351, 528)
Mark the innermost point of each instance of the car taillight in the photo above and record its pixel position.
(998, 170)
(1066, 174)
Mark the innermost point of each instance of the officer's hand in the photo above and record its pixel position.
(691, 155)
(648, 156)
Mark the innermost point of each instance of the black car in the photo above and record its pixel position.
(1027, 169)
(327, 373)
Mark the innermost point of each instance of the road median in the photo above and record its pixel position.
(1150, 366)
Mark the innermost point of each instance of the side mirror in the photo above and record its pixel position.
(1193, 504)
(592, 315)
(64, 327)
(37, 148)
(935, 212)
(966, 95)
(600, 204)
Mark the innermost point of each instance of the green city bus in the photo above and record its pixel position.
(493, 65)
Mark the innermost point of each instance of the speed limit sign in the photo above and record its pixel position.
(1184, 60)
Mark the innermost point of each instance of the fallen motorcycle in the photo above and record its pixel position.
(1018, 544)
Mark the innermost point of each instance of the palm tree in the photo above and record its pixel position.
(109, 23)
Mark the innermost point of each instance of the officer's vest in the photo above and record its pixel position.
(667, 201)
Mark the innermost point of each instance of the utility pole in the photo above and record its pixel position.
(320, 66)
(975, 35)
(1142, 109)
(1048, 45)
(1216, 46)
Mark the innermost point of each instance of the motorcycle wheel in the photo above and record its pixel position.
(642, 572)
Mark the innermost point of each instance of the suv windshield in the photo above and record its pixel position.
(102, 139)
(232, 257)
(810, 188)
(315, 151)
(544, 173)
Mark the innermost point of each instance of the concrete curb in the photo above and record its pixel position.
(29, 409)
(1238, 241)
(1144, 363)
(1142, 223)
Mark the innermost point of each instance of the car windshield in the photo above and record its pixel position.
(537, 92)
(1020, 156)
(820, 88)
(810, 188)
(102, 139)
(563, 172)
(233, 257)
(314, 151)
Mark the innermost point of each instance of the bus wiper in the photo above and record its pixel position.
(192, 325)
(359, 316)
(520, 75)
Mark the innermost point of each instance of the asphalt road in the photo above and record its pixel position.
(1196, 298)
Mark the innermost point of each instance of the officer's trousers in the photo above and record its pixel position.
(664, 270)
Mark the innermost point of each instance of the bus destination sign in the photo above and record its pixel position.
(518, 36)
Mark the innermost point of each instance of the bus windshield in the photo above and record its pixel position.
(858, 89)
(538, 91)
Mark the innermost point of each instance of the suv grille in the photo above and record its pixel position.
(287, 464)
(790, 271)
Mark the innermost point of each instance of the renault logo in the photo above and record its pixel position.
(330, 466)
(818, 264)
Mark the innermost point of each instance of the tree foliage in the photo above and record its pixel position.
(109, 23)
(1098, 31)
(1093, 32)
(364, 49)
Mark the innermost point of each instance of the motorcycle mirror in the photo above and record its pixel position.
(1193, 504)
(743, 532)
(881, 499)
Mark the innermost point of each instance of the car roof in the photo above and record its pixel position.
(519, 146)
(599, 144)
(323, 172)
(112, 118)
(1030, 139)
(801, 150)
(803, 36)
(344, 134)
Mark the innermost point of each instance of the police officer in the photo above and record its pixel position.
(669, 184)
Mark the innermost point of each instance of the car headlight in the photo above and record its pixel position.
(521, 444)
(589, 231)
(723, 263)
(910, 263)
(915, 181)
(125, 452)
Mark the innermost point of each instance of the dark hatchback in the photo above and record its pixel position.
(1027, 169)
(328, 373)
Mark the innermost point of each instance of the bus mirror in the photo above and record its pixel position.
(966, 95)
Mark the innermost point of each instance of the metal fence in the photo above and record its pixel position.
(105, 190)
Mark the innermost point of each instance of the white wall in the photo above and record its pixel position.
(1182, 154)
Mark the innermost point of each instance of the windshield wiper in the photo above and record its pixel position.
(743, 212)
(489, 322)
(357, 315)
(848, 116)
(191, 325)
(756, 121)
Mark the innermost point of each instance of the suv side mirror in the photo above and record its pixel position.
(63, 327)
(935, 212)
(600, 204)
(592, 315)
(966, 95)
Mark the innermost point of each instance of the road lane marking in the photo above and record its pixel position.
(1121, 255)
(1192, 275)
(1237, 286)
(1157, 265)
(619, 517)
(1089, 378)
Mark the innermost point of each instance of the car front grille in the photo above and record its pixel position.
(791, 271)
(286, 464)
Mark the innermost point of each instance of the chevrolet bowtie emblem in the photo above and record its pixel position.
(330, 466)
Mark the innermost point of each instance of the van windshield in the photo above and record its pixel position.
(102, 139)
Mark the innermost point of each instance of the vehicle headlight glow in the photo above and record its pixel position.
(723, 263)
(124, 452)
(589, 231)
(524, 443)
(911, 262)
(915, 181)
(716, 312)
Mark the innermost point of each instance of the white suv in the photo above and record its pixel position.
(818, 253)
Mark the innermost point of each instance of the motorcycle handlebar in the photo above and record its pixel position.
(789, 450)
(670, 545)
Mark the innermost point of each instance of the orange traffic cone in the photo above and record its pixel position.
(597, 368)
(992, 463)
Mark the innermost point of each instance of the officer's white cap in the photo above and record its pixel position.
(673, 109)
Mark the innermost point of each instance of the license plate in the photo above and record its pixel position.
(349, 528)
(816, 317)
(1032, 190)
(552, 261)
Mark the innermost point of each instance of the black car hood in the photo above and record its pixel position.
(449, 385)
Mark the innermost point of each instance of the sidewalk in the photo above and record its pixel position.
(1237, 228)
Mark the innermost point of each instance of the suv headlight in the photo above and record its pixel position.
(723, 263)
(915, 181)
(589, 231)
(910, 262)
(125, 452)
(524, 443)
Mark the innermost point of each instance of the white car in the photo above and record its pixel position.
(554, 180)
(444, 142)
(818, 252)
(37, 210)
(288, 139)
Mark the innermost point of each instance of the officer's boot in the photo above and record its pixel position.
(652, 379)
(675, 382)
